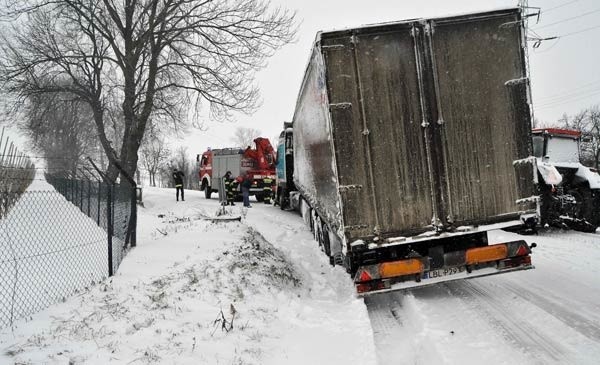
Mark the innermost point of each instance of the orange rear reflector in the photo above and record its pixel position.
(486, 254)
(399, 268)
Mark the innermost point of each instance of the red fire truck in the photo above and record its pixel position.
(258, 162)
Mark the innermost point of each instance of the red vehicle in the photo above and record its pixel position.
(259, 163)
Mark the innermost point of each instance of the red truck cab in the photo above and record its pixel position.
(258, 163)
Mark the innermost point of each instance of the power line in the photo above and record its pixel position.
(559, 6)
(538, 40)
(568, 19)
(580, 31)
(567, 101)
(580, 89)
(571, 97)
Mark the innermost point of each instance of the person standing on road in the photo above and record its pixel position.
(223, 189)
(178, 178)
(229, 185)
(246, 184)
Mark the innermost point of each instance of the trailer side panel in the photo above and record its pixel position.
(314, 175)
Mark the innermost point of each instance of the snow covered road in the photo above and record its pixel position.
(550, 315)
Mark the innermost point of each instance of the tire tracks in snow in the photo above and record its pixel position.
(399, 330)
(588, 325)
(506, 319)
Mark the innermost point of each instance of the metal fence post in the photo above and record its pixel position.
(89, 196)
(98, 198)
(133, 218)
(110, 221)
(81, 196)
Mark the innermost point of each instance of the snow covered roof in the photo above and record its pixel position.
(557, 132)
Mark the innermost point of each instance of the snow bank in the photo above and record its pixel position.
(196, 291)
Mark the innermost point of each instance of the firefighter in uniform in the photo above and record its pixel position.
(229, 184)
(178, 180)
(267, 190)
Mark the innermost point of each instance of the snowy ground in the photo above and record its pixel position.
(291, 307)
(264, 274)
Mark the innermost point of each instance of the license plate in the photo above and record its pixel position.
(440, 273)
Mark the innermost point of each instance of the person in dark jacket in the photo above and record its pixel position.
(229, 184)
(246, 184)
(178, 179)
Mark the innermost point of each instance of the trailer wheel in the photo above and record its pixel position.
(207, 191)
(305, 212)
(596, 207)
(281, 198)
(326, 243)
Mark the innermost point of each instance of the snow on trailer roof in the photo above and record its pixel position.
(443, 18)
(557, 131)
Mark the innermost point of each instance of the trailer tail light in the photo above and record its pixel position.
(399, 268)
(518, 248)
(372, 286)
(364, 276)
(522, 251)
(367, 273)
(519, 261)
(486, 254)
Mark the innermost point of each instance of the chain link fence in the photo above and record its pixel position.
(60, 238)
(16, 173)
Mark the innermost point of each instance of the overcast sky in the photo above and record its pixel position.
(564, 72)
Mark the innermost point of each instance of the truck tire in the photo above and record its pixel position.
(596, 207)
(305, 212)
(259, 197)
(282, 202)
(585, 203)
(207, 191)
(326, 243)
(281, 198)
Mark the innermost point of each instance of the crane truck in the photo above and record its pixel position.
(409, 142)
(258, 163)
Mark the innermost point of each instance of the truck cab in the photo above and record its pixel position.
(560, 146)
(285, 166)
(257, 163)
(569, 191)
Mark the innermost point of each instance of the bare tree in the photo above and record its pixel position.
(61, 128)
(183, 162)
(150, 58)
(587, 122)
(244, 137)
(154, 153)
(593, 133)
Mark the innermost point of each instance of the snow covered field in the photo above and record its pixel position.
(288, 306)
(48, 251)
